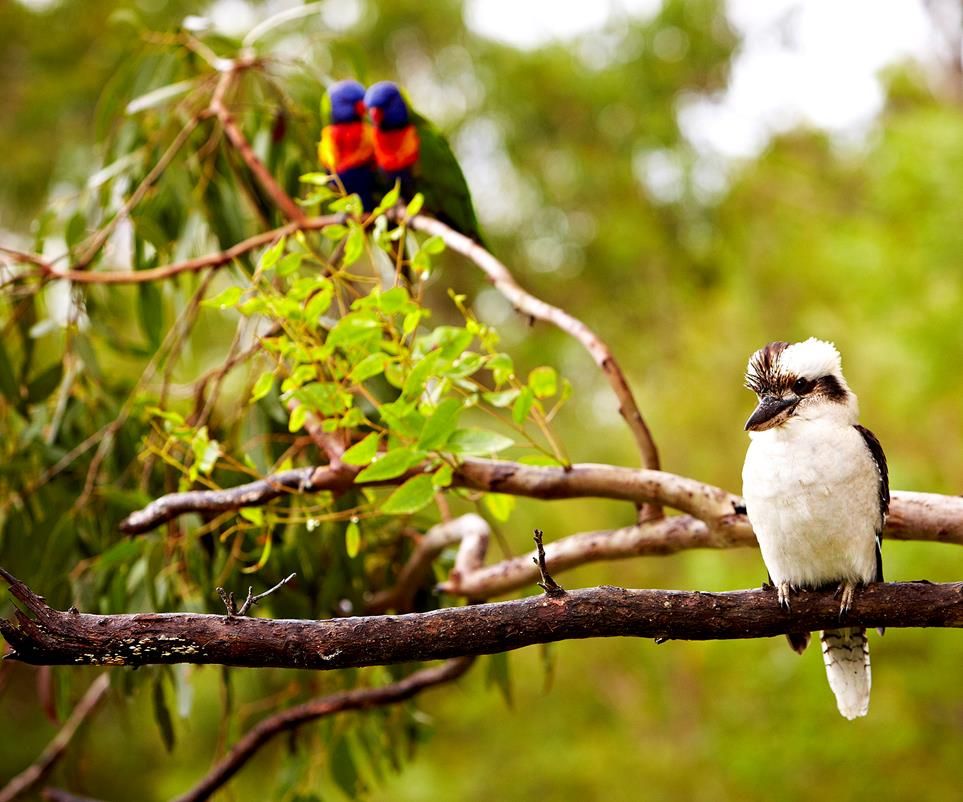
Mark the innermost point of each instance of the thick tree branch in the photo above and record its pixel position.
(525, 302)
(360, 699)
(50, 637)
(34, 773)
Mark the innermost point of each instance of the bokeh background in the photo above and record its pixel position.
(692, 179)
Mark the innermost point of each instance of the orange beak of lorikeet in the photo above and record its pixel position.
(377, 115)
(360, 108)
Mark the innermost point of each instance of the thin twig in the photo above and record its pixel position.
(231, 603)
(33, 774)
(549, 585)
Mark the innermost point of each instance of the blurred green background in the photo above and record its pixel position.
(623, 174)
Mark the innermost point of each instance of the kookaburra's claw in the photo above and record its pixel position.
(846, 590)
(783, 590)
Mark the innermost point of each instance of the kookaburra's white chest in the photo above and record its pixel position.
(812, 496)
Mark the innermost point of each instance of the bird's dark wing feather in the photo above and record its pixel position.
(876, 452)
(442, 182)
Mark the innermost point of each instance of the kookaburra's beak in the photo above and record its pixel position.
(771, 412)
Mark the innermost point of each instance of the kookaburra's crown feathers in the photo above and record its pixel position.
(778, 365)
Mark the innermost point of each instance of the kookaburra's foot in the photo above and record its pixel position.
(846, 590)
(783, 589)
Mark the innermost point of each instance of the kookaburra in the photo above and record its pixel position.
(817, 491)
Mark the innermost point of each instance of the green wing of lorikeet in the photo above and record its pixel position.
(439, 178)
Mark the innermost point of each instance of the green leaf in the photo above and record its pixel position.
(150, 311)
(8, 382)
(162, 714)
(371, 365)
(415, 206)
(354, 328)
(352, 539)
(363, 452)
(392, 464)
(501, 399)
(343, 768)
(298, 417)
(317, 179)
(411, 321)
(523, 405)
(354, 245)
(76, 230)
(253, 514)
(543, 381)
(412, 496)
(226, 298)
(334, 232)
(498, 674)
(272, 254)
(418, 378)
(500, 505)
(475, 442)
(40, 387)
(158, 96)
(433, 245)
(393, 300)
(320, 303)
(290, 264)
(502, 368)
(390, 199)
(206, 451)
(443, 476)
(440, 425)
(262, 386)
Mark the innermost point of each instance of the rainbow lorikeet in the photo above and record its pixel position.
(347, 145)
(409, 149)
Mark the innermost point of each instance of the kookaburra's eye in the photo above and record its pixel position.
(802, 386)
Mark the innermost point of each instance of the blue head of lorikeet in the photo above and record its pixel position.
(347, 102)
(346, 147)
(410, 150)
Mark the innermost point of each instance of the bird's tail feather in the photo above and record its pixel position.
(846, 654)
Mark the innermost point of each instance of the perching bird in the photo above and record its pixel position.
(816, 487)
(347, 145)
(411, 150)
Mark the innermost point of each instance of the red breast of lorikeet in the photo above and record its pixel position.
(347, 145)
(410, 150)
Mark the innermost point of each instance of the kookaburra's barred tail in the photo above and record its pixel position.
(846, 654)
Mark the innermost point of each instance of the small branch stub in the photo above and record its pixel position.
(230, 602)
(549, 585)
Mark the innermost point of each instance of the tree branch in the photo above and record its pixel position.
(34, 773)
(218, 259)
(360, 699)
(500, 476)
(471, 530)
(525, 302)
(236, 137)
(51, 637)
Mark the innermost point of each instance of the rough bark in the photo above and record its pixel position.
(51, 637)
